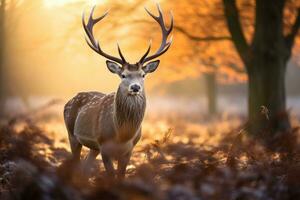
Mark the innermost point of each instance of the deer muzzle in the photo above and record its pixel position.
(135, 89)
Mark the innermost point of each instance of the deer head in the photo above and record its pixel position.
(132, 75)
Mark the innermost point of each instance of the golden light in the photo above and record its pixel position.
(53, 3)
(54, 59)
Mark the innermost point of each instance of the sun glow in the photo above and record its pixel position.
(54, 3)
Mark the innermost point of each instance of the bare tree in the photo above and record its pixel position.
(265, 59)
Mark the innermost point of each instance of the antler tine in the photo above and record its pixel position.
(160, 12)
(147, 52)
(171, 24)
(153, 16)
(165, 45)
(91, 22)
(94, 44)
(120, 53)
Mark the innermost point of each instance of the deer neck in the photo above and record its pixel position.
(128, 114)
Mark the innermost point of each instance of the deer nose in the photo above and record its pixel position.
(135, 88)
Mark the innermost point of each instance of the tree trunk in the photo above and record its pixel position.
(211, 93)
(266, 69)
(267, 89)
(265, 59)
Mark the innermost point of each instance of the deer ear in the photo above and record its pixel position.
(151, 66)
(113, 67)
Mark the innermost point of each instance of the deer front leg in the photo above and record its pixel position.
(108, 165)
(122, 164)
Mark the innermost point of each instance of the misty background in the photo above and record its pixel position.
(46, 57)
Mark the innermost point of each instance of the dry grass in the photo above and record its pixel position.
(179, 157)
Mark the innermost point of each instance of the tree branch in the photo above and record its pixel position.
(235, 29)
(188, 35)
(198, 38)
(237, 69)
(290, 38)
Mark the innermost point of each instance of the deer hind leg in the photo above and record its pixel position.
(108, 165)
(88, 162)
(75, 147)
(122, 164)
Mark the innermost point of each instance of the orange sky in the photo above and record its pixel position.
(47, 53)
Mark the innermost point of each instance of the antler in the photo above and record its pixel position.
(94, 44)
(165, 45)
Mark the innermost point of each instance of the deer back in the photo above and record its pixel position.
(92, 114)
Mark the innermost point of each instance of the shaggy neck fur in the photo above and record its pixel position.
(128, 114)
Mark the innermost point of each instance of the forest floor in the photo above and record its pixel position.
(184, 157)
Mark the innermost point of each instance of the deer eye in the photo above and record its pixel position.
(123, 76)
(143, 75)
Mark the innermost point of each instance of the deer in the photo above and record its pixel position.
(110, 124)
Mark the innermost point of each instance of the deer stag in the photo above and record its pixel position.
(110, 124)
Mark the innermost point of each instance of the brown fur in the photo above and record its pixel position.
(107, 124)
(128, 114)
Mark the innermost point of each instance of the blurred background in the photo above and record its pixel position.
(44, 54)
